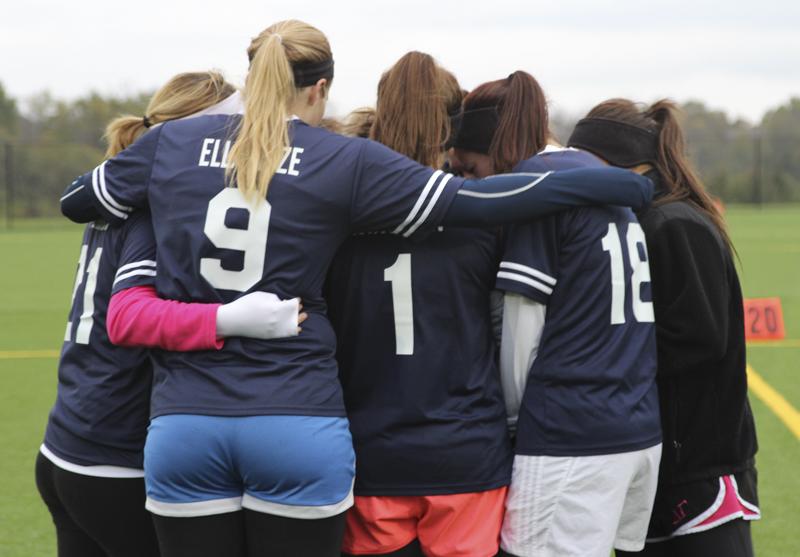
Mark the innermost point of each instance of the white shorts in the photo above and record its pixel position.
(580, 505)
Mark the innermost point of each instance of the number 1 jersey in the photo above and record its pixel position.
(418, 362)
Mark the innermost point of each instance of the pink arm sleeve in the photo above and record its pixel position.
(138, 317)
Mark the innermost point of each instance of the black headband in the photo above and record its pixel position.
(618, 143)
(146, 122)
(308, 73)
(476, 130)
(456, 117)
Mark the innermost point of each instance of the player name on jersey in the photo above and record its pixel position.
(214, 154)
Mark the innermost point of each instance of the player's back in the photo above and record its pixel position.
(591, 389)
(215, 244)
(101, 410)
(417, 362)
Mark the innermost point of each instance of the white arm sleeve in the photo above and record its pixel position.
(258, 315)
(523, 322)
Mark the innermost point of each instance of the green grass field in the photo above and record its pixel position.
(35, 286)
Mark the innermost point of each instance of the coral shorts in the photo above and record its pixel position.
(458, 525)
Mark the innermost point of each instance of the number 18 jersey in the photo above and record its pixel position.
(591, 389)
(214, 245)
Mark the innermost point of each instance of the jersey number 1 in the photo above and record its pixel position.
(399, 275)
(87, 317)
(640, 273)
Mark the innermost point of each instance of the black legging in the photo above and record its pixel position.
(249, 534)
(96, 517)
(731, 540)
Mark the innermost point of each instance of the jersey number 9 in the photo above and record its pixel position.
(251, 240)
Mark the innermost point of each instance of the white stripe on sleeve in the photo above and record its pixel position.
(431, 205)
(535, 273)
(420, 201)
(107, 195)
(525, 280)
(494, 195)
(137, 272)
(73, 192)
(99, 196)
(142, 263)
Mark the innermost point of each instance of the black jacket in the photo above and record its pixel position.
(706, 418)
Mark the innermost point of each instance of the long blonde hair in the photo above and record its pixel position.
(264, 131)
(184, 94)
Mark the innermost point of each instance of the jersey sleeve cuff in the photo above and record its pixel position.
(526, 281)
(138, 273)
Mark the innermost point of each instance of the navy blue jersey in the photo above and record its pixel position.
(417, 362)
(213, 245)
(591, 389)
(101, 410)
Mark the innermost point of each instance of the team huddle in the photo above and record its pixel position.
(430, 329)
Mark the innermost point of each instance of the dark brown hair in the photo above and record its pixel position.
(523, 122)
(411, 117)
(672, 162)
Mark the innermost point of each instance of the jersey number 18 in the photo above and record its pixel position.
(640, 273)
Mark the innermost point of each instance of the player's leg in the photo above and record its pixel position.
(111, 511)
(71, 540)
(566, 506)
(300, 468)
(462, 524)
(279, 535)
(731, 539)
(379, 524)
(219, 535)
(638, 507)
(192, 486)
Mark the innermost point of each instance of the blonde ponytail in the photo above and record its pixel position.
(263, 134)
(183, 95)
(121, 132)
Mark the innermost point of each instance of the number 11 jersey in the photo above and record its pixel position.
(214, 245)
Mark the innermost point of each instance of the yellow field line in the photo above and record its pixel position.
(28, 354)
(788, 343)
(773, 399)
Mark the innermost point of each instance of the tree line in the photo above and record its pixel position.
(52, 141)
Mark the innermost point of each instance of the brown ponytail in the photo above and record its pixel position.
(522, 118)
(411, 117)
(183, 95)
(672, 162)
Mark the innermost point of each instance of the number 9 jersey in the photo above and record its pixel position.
(214, 245)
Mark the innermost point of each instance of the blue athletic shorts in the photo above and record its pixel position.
(293, 466)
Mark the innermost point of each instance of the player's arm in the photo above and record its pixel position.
(115, 188)
(690, 294)
(392, 193)
(510, 198)
(138, 317)
(523, 323)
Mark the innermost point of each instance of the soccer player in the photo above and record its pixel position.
(89, 468)
(417, 358)
(578, 349)
(707, 492)
(249, 451)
